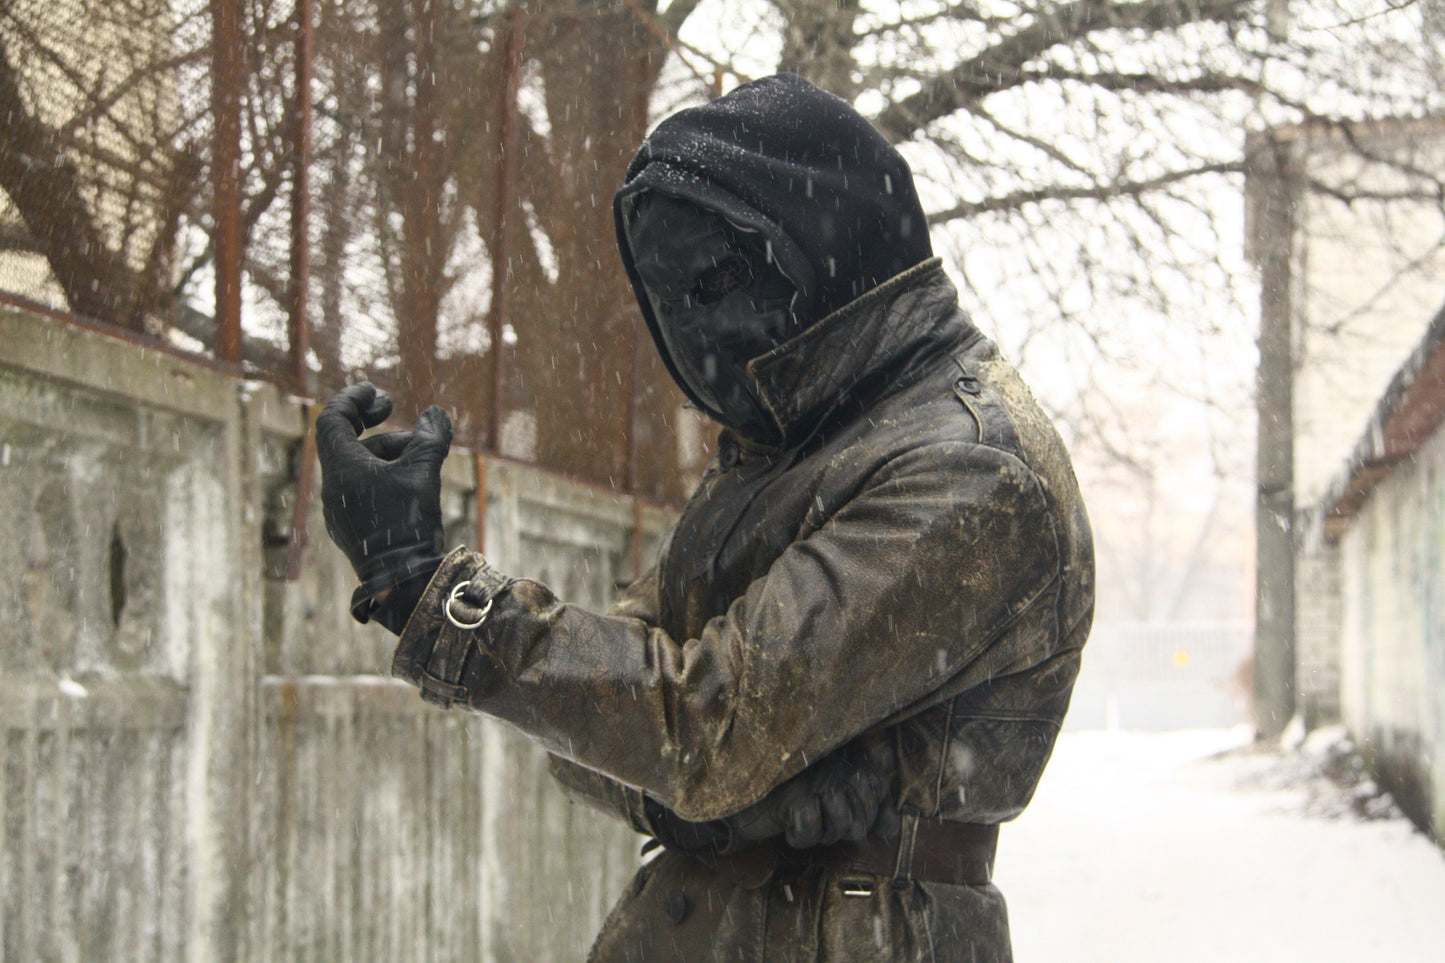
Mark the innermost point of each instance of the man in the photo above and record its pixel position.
(853, 656)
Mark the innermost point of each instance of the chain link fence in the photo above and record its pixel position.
(414, 192)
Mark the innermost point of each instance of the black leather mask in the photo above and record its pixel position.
(719, 301)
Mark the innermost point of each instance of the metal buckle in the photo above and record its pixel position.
(456, 594)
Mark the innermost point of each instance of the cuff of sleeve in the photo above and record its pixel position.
(445, 628)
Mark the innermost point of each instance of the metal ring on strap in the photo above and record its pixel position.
(456, 594)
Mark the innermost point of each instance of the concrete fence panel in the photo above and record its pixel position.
(203, 760)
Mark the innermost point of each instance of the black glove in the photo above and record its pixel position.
(381, 498)
(842, 797)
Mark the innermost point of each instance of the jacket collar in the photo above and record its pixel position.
(874, 338)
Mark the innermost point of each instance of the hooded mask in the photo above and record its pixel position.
(813, 204)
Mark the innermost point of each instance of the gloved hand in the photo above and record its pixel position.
(381, 497)
(842, 797)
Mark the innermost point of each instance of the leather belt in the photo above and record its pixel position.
(929, 850)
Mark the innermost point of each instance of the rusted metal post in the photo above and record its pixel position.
(226, 83)
(640, 343)
(479, 472)
(301, 200)
(411, 92)
(300, 322)
(305, 486)
(501, 251)
(501, 244)
(637, 537)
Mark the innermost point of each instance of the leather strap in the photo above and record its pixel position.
(959, 854)
(441, 681)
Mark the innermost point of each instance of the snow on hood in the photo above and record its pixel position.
(800, 165)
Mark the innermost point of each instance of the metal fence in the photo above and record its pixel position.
(312, 192)
(1164, 675)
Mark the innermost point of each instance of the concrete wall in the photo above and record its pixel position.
(1392, 675)
(201, 761)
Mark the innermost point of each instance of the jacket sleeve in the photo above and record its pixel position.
(903, 590)
(639, 600)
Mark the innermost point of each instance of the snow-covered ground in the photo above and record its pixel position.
(1190, 847)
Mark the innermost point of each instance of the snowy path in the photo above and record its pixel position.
(1143, 847)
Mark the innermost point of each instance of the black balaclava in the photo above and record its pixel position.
(719, 301)
(776, 161)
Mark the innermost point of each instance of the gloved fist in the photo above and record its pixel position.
(843, 797)
(381, 497)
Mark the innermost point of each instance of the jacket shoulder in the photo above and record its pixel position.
(1007, 416)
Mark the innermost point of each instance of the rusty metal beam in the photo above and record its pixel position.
(479, 472)
(501, 244)
(305, 487)
(638, 540)
(227, 78)
(300, 321)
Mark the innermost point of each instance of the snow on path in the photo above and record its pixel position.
(1154, 847)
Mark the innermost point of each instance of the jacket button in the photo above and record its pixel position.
(675, 907)
(728, 457)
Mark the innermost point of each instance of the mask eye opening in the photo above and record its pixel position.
(717, 282)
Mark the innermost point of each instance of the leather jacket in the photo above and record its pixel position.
(910, 571)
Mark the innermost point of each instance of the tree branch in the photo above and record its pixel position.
(676, 15)
(1097, 192)
(1001, 66)
(954, 11)
(1208, 82)
(46, 189)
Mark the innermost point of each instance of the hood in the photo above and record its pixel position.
(782, 157)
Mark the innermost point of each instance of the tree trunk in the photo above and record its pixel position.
(1274, 194)
(818, 43)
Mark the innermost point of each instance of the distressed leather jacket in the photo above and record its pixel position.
(910, 571)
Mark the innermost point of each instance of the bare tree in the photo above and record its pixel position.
(1081, 162)
(97, 154)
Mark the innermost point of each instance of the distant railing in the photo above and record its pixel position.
(1164, 675)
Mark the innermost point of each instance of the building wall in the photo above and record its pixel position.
(1392, 674)
(1366, 276)
(201, 760)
